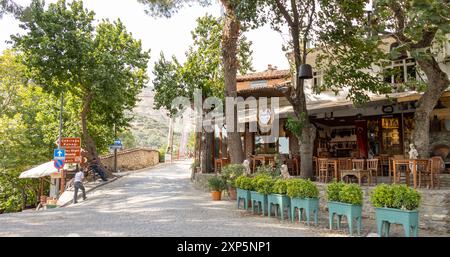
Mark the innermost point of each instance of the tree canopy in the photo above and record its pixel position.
(102, 65)
(202, 68)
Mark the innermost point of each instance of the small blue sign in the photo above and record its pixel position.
(117, 142)
(59, 154)
(59, 164)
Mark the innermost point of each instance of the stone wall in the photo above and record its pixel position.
(132, 159)
(200, 181)
(437, 138)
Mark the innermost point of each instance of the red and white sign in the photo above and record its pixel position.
(72, 145)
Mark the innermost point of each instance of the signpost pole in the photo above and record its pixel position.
(61, 121)
(115, 150)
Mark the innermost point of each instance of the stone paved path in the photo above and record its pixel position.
(155, 202)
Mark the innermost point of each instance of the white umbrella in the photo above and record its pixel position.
(42, 170)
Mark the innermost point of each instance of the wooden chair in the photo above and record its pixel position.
(400, 169)
(220, 163)
(344, 163)
(322, 164)
(384, 164)
(430, 174)
(360, 172)
(358, 164)
(372, 167)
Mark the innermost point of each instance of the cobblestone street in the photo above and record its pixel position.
(156, 202)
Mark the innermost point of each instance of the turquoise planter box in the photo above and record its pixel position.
(244, 195)
(351, 211)
(387, 216)
(281, 202)
(307, 205)
(261, 200)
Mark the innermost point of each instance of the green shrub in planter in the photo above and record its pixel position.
(244, 182)
(278, 198)
(264, 185)
(300, 188)
(345, 200)
(352, 194)
(216, 184)
(304, 197)
(395, 196)
(231, 172)
(396, 204)
(243, 187)
(382, 196)
(280, 187)
(333, 190)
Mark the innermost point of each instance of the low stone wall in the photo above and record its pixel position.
(200, 181)
(434, 210)
(132, 159)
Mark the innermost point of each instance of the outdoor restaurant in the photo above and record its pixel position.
(367, 145)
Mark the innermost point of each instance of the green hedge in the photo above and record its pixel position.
(395, 196)
(345, 193)
(300, 188)
(280, 187)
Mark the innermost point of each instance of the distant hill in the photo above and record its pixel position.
(150, 127)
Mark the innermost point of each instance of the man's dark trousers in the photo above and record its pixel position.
(78, 185)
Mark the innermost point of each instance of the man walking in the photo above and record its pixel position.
(78, 184)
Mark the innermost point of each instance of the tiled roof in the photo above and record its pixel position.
(264, 75)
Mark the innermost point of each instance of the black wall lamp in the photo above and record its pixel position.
(305, 71)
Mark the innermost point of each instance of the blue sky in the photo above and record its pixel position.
(172, 36)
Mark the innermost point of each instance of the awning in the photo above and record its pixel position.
(42, 170)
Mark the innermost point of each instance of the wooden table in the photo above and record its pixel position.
(408, 163)
(357, 173)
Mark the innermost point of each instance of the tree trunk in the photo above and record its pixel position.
(207, 150)
(91, 149)
(438, 82)
(198, 138)
(230, 37)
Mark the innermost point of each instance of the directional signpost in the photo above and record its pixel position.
(117, 145)
(72, 145)
(59, 154)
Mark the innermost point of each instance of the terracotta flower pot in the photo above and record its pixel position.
(216, 195)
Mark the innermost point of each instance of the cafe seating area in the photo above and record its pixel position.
(417, 173)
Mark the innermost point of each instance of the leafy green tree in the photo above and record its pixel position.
(202, 70)
(9, 6)
(353, 43)
(28, 123)
(103, 66)
(300, 17)
(234, 12)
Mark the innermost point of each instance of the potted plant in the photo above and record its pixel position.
(345, 200)
(396, 204)
(229, 174)
(305, 197)
(243, 187)
(216, 185)
(262, 186)
(279, 198)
